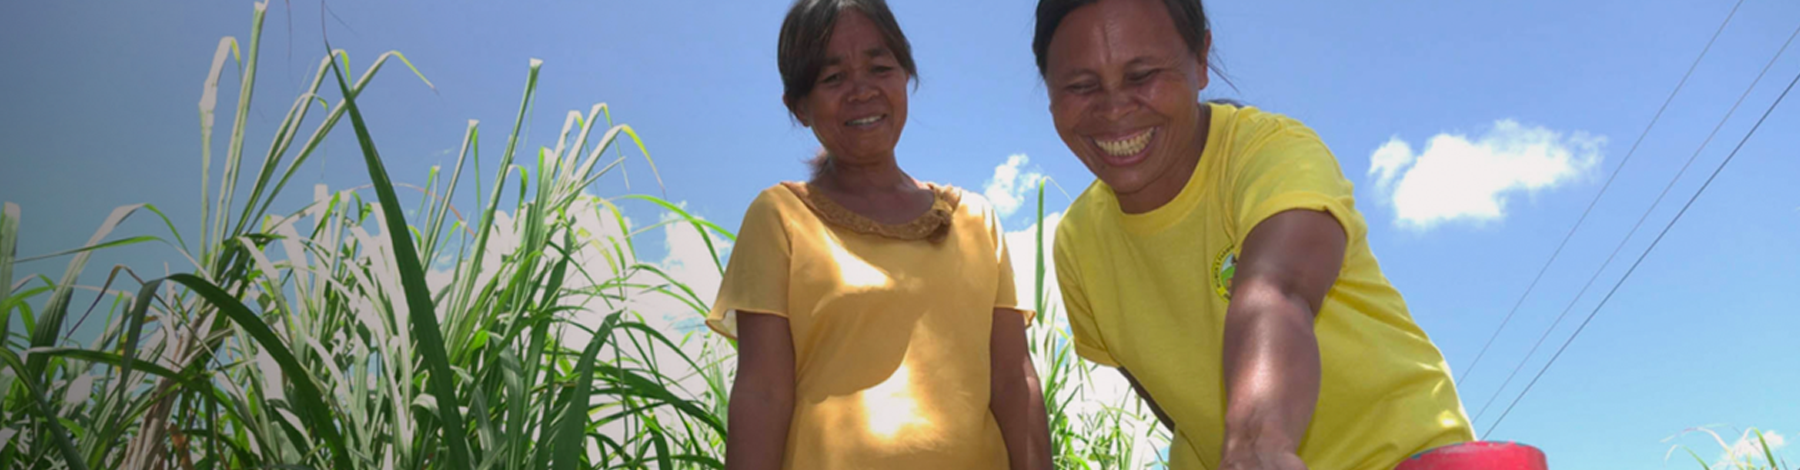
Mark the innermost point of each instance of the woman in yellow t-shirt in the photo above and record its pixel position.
(1219, 261)
(875, 314)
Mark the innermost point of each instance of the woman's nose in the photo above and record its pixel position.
(863, 88)
(1115, 104)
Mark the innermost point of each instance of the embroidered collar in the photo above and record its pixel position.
(932, 225)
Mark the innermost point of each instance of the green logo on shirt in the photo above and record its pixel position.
(1224, 268)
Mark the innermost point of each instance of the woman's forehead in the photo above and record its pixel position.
(1116, 32)
(836, 57)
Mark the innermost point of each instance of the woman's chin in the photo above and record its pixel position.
(1125, 183)
(1123, 178)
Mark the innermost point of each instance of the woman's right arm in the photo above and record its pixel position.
(762, 397)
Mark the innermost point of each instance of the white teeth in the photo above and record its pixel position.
(865, 121)
(1127, 146)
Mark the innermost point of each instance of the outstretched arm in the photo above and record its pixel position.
(1271, 357)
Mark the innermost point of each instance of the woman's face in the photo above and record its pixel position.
(858, 104)
(1124, 91)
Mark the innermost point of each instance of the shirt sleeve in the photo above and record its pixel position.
(1291, 169)
(1006, 293)
(756, 280)
(1088, 343)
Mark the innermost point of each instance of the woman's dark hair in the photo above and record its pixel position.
(1189, 16)
(805, 35)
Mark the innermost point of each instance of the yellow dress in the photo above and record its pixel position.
(1149, 292)
(890, 326)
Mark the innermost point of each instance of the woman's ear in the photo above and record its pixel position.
(1205, 72)
(797, 112)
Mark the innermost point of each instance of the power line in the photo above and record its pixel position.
(1640, 222)
(1596, 200)
(1640, 259)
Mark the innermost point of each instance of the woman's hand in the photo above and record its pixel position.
(1261, 460)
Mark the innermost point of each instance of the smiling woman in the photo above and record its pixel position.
(1219, 261)
(807, 65)
(876, 317)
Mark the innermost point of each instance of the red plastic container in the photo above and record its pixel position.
(1479, 455)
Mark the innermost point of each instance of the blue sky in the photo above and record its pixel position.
(100, 112)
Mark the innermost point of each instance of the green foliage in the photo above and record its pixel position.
(1086, 432)
(319, 338)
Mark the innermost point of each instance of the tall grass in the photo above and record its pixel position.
(1746, 454)
(1087, 429)
(318, 338)
(352, 333)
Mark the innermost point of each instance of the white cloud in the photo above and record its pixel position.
(1007, 189)
(600, 238)
(690, 261)
(1023, 245)
(1459, 179)
(687, 260)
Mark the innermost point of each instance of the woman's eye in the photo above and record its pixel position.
(1082, 87)
(883, 69)
(832, 78)
(1140, 76)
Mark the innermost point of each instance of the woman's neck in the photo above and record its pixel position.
(882, 176)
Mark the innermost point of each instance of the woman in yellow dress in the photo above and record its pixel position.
(1220, 263)
(875, 314)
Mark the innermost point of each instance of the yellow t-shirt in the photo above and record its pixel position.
(1148, 292)
(890, 335)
